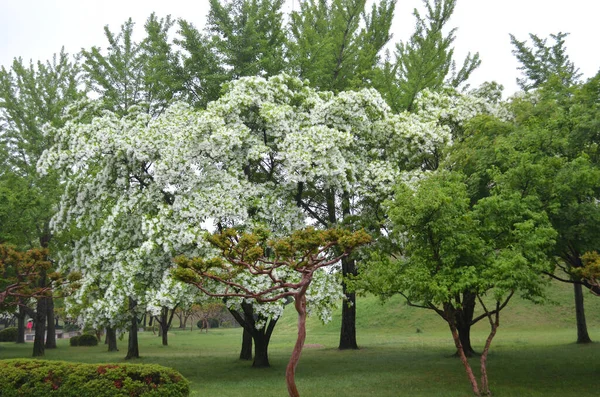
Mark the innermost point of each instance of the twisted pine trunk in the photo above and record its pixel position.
(290, 371)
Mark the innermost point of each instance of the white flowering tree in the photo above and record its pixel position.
(272, 152)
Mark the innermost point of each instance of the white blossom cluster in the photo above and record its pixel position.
(138, 190)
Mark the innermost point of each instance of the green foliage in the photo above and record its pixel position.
(87, 340)
(249, 36)
(425, 60)
(31, 97)
(9, 334)
(542, 63)
(203, 73)
(57, 378)
(74, 340)
(130, 73)
(332, 49)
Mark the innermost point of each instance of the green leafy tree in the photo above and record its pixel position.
(336, 44)
(203, 72)
(31, 98)
(249, 36)
(448, 246)
(426, 60)
(129, 73)
(544, 63)
(560, 123)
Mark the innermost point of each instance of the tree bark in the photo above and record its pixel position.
(290, 371)
(261, 350)
(40, 328)
(348, 330)
(21, 324)
(464, 318)
(582, 332)
(133, 350)
(51, 330)
(40, 320)
(111, 339)
(246, 351)
(464, 359)
(260, 337)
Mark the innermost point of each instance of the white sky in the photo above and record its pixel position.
(36, 29)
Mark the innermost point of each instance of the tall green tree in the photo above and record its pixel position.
(129, 73)
(249, 36)
(560, 134)
(337, 44)
(544, 62)
(31, 98)
(426, 60)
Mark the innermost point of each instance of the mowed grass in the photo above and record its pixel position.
(534, 354)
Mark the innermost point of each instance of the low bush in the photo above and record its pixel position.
(74, 341)
(88, 340)
(23, 377)
(9, 334)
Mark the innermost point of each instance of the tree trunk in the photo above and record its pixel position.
(348, 330)
(40, 328)
(133, 350)
(21, 325)
(290, 370)
(111, 339)
(40, 320)
(246, 352)
(260, 337)
(464, 360)
(51, 330)
(261, 350)
(464, 317)
(582, 332)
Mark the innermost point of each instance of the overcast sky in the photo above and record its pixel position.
(36, 29)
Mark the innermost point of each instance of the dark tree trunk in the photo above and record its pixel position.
(464, 318)
(51, 331)
(246, 352)
(40, 328)
(111, 339)
(348, 331)
(260, 337)
(40, 320)
(21, 324)
(164, 326)
(261, 350)
(133, 350)
(582, 332)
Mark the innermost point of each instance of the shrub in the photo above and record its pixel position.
(9, 334)
(23, 377)
(88, 340)
(74, 341)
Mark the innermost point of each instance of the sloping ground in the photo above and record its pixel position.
(520, 315)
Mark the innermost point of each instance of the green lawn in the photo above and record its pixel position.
(532, 355)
